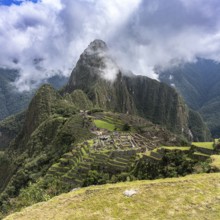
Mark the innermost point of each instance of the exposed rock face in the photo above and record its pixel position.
(128, 94)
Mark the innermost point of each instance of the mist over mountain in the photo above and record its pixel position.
(12, 100)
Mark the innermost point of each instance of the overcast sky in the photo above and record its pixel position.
(42, 38)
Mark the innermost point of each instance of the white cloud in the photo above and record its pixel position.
(47, 38)
(55, 4)
(159, 34)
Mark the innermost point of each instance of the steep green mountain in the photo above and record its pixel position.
(52, 150)
(11, 100)
(47, 133)
(199, 84)
(96, 131)
(131, 94)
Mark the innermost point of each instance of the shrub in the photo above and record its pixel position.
(95, 110)
(126, 127)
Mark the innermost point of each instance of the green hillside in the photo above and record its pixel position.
(95, 132)
(13, 101)
(191, 197)
(10, 128)
(199, 84)
(65, 149)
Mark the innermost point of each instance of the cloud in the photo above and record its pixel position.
(46, 38)
(162, 34)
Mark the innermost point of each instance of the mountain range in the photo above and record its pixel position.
(97, 129)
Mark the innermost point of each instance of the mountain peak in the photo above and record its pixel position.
(97, 45)
(94, 64)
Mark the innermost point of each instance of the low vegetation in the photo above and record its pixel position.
(208, 145)
(185, 198)
(215, 164)
(85, 166)
(104, 125)
(172, 148)
(63, 146)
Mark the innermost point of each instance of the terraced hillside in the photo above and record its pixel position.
(63, 147)
(111, 153)
(115, 156)
(201, 151)
(186, 198)
(85, 147)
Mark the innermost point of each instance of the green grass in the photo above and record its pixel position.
(64, 160)
(216, 140)
(147, 153)
(83, 151)
(175, 148)
(215, 162)
(91, 142)
(113, 120)
(104, 125)
(185, 198)
(207, 145)
(201, 154)
(69, 154)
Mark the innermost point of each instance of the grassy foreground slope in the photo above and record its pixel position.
(190, 197)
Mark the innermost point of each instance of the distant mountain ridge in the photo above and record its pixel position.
(13, 101)
(199, 84)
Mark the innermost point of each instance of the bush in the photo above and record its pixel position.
(126, 127)
(95, 110)
(96, 178)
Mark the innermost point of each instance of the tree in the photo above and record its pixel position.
(126, 127)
